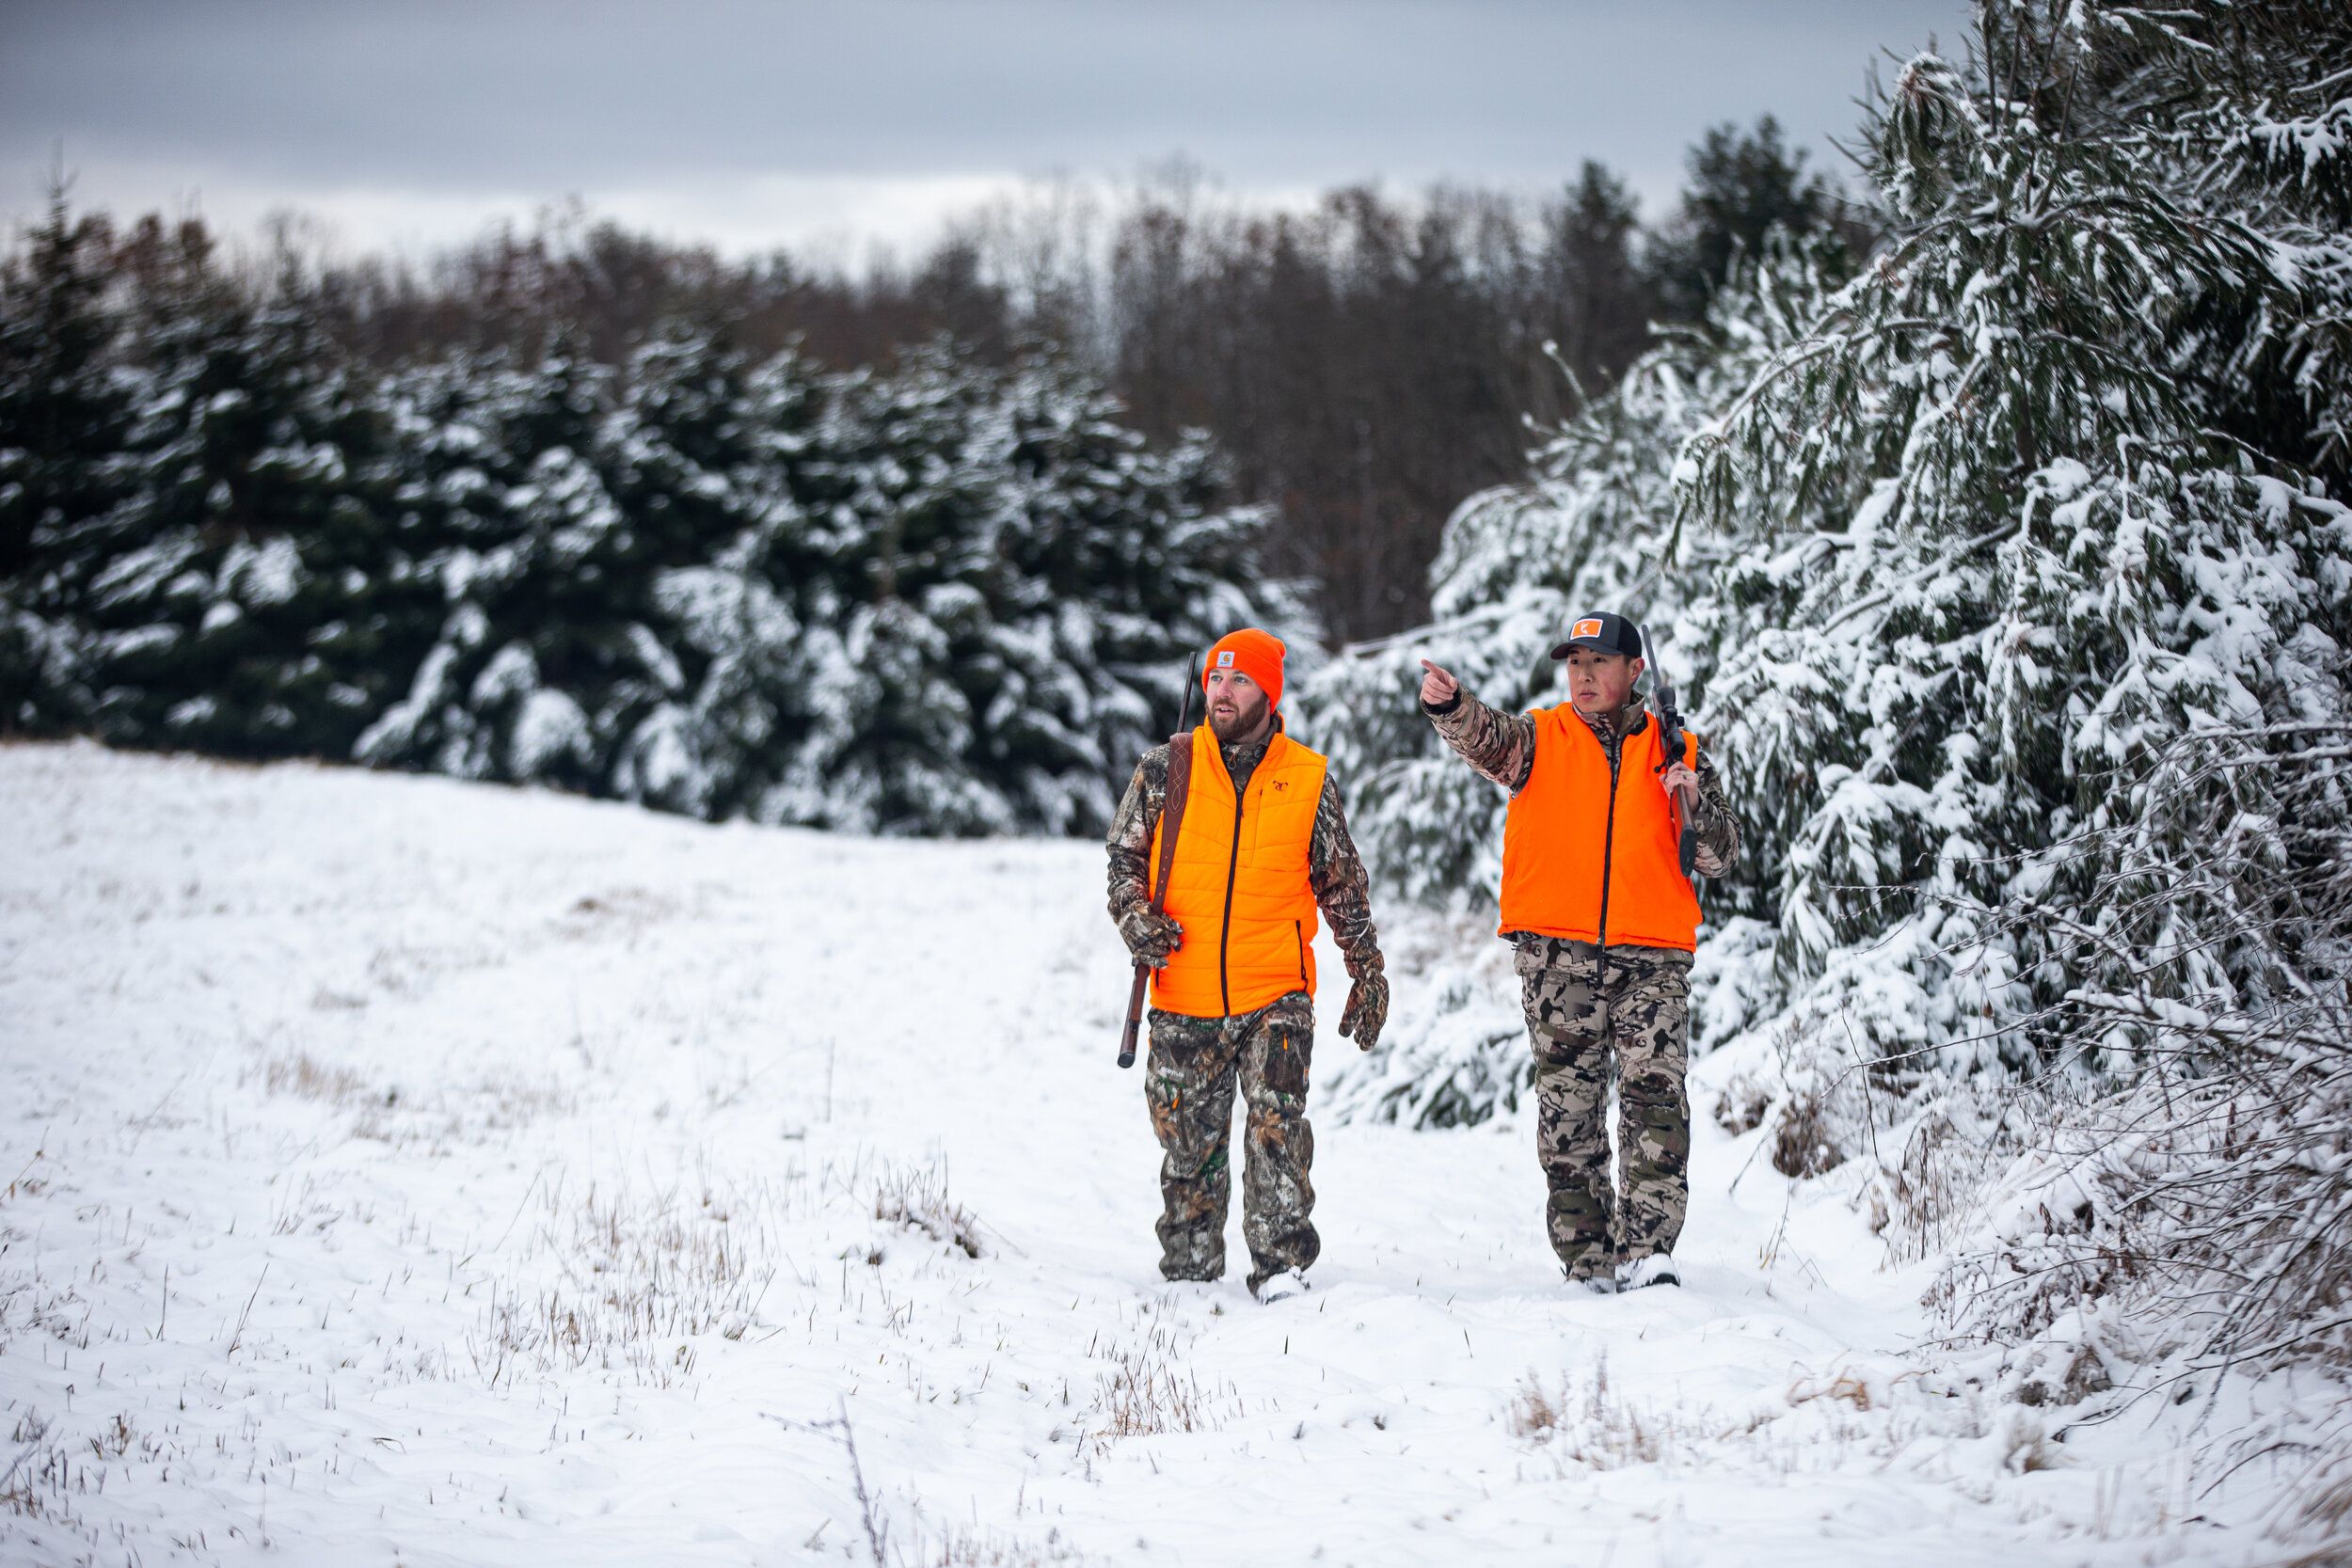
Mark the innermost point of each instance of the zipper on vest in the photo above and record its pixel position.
(1608, 848)
(1298, 930)
(1224, 932)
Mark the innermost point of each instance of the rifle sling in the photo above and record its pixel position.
(1172, 814)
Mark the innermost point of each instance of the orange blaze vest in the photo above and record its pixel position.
(1594, 858)
(1239, 886)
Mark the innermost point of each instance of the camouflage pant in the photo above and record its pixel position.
(1188, 1082)
(1578, 1009)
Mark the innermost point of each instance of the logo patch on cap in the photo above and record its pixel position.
(1225, 659)
(1587, 629)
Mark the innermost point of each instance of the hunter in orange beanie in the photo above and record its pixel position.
(1255, 654)
(1240, 830)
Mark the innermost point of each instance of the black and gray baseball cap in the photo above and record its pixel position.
(1602, 633)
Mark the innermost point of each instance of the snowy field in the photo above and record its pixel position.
(402, 1171)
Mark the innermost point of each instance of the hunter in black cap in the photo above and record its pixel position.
(1605, 920)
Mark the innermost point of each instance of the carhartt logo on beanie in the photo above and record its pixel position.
(1253, 653)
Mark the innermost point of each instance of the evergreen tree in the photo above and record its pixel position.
(751, 624)
(1106, 562)
(66, 408)
(214, 589)
(511, 515)
(1743, 186)
(1018, 576)
(1965, 543)
(1601, 301)
(940, 598)
(2050, 557)
(889, 731)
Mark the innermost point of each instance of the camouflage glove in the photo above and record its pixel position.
(1149, 935)
(1367, 1009)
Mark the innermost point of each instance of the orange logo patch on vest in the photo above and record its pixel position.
(1587, 629)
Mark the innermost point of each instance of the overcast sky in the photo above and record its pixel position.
(405, 124)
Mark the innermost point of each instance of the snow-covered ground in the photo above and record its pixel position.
(406, 1171)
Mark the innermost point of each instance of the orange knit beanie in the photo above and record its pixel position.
(1255, 654)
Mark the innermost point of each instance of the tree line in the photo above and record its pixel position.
(1363, 365)
(940, 596)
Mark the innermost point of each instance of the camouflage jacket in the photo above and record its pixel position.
(1334, 870)
(1502, 746)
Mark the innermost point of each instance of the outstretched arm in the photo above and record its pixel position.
(1502, 746)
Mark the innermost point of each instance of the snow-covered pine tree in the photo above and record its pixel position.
(2041, 552)
(1104, 563)
(2073, 447)
(2055, 479)
(939, 598)
(213, 591)
(1019, 576)
(752, 622)
(503, 504)
(66, 408)
(683, 462)
(890, 732)
(618, 572)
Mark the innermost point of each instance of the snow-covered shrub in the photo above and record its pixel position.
(915, 1197)
(2209, 1183)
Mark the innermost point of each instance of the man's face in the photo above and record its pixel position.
(1599, 683)
(1237, 706)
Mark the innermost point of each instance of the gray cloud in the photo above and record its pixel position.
(443, 111)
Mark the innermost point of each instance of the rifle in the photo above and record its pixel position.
(1172, 820)
(1661, 702)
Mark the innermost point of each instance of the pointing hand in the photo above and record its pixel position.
(1437, 685)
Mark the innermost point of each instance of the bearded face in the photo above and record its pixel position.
(1237, 706)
